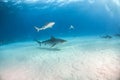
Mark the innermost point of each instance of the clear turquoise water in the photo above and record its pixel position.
(85, 55)
(90, 17)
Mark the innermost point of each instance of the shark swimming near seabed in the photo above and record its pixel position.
(107, 37)
(49, 25)
(117, 35)
(52, 41)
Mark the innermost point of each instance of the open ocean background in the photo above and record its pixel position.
(89, 17)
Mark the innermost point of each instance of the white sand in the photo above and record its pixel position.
(78, 59)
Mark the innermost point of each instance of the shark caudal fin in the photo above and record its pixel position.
(37, 28)
(38, 42)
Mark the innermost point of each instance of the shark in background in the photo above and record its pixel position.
(106, 36)
(71, 27)
(51, 42)
(117, 35)
(49, 25)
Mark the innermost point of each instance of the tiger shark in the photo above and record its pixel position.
(52, 41)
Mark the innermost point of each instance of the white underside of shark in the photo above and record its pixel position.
(49, 25)
(71, 27)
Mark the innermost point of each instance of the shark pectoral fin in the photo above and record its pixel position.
(53, 45)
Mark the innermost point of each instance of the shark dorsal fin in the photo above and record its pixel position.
(52, 37)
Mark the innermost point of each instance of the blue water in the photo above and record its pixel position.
(87, 54)
(89, 17)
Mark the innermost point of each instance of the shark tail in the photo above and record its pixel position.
(37, 28)
(38, 42)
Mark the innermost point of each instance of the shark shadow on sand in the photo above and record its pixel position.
(49, 49)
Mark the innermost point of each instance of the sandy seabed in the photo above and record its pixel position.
(85, 58)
